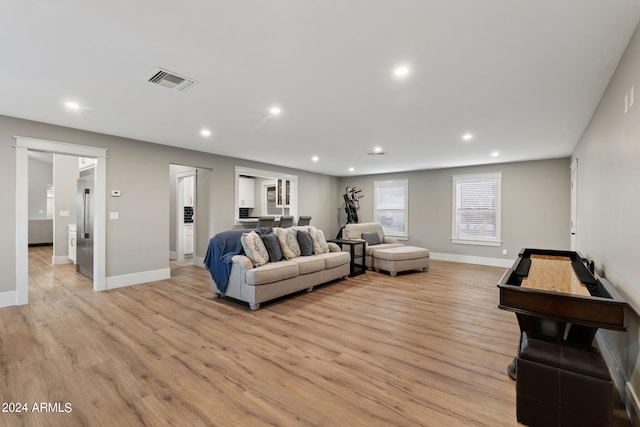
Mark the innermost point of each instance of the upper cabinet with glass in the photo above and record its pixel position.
(261, 192)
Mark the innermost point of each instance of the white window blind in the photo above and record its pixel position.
(476, 209)
(391, 206)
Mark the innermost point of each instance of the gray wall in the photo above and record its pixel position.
(139, 240)
(65, 178)
(40, 176)
(535, 206)
(609, 208)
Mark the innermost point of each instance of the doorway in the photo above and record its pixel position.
(23, 145)
(190, 219)
(574, 205)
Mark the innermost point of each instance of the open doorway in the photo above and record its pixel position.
(23, 146)
(190, 218)
(60, 201)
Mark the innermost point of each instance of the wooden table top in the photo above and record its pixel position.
(553, 273)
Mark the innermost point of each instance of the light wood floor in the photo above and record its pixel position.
(425, 349)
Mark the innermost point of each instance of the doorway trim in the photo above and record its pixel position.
(180, 176)
(573, 224)
(22, 146)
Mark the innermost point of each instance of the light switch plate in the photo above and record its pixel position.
(64, 213)
(114, 215)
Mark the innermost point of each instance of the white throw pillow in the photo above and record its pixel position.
(254, 248)
(320, 245)
(288, 238)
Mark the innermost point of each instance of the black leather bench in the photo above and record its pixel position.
(562, 384)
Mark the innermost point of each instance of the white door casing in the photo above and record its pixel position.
(22, 146)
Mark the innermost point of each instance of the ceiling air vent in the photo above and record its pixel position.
(171, 80)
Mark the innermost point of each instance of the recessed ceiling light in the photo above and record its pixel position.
(495, 154)
(351, 169)
(315, 158)
(205, 132)
(401, 71)
(72, 105)
(275, 110)
(377, 150)
(467, 136)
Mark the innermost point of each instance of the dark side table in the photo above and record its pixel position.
(357, 265)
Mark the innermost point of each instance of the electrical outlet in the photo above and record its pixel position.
(504, 252)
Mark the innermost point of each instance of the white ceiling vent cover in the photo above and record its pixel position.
(171, 80)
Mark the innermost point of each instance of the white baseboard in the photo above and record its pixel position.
(7, 299)
(114, 282)
(624, 387)
(60, 259)
(173, 255)
(469, 259)
(198, 261)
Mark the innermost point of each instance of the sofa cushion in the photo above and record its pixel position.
(371, 237)
(335, 259)
(272, 244)
(309, 264)
(254, 248)
(306, 245)
(371, 249)
(288, 241)
(401, 253)
(271, 272)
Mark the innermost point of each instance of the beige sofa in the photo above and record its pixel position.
(354, 232)
(256, 285)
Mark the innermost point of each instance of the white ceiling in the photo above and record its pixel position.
(523, 76)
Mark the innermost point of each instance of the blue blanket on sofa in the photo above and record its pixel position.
(222, 247)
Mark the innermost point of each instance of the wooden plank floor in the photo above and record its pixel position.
(419, 349)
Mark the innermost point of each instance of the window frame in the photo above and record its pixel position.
(393, 183)
(476, 240)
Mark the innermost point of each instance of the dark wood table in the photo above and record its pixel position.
(357, 265)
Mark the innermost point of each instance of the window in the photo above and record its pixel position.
(391, 209)
(476, 209)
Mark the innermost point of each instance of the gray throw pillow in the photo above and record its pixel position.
(372, 238)
(306, 245)
(272, 244)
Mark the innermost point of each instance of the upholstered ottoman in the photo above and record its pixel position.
(562, 385)
(401, 258)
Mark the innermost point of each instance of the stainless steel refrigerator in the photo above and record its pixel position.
(85, 206)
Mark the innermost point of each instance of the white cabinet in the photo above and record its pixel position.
(246, 192)
(283, 193)
(189, 190)
(86, 163)
(188, 239)
(72, 243)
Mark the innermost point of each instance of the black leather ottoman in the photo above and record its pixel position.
(562, 384)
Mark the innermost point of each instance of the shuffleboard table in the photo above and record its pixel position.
(556, 294)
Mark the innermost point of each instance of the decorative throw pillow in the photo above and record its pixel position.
(272, 244)
(372, 238)
(320, 245)
(254, 248)
(306, 245)
(288, 242)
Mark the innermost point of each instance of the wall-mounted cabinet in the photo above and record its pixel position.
(86, 163)
(283, 193)
(247, 192)
(189, 190)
